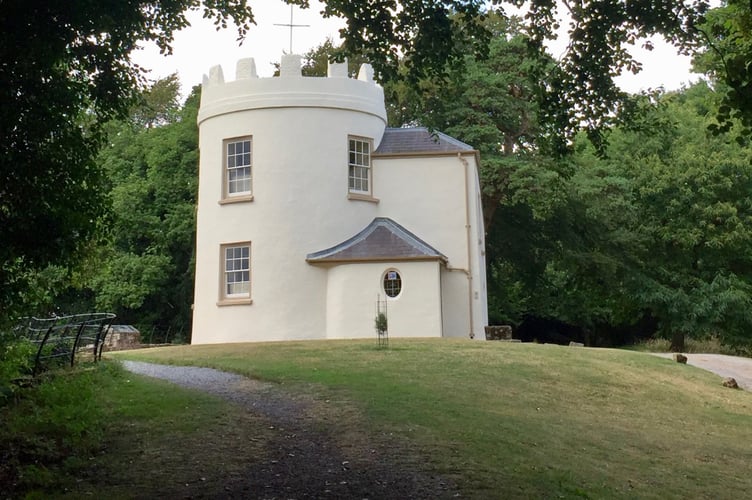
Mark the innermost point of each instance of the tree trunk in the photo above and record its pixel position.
(490, 204)
(587, 337)
(677, 342)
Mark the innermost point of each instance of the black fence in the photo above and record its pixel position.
(61, 339)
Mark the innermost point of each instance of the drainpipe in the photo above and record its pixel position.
(468, 273)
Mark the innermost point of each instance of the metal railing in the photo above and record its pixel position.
(62, 338)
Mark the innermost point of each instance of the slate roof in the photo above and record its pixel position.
(383, 239)
(419, 140)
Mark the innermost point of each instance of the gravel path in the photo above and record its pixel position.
(310, 455)
(258, 396)
(725, 366)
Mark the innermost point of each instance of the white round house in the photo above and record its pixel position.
(313, 215)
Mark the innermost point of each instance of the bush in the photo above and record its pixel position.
(51, 431)
(709, 345)
(16, 358)
(381, 323)
(61, 414)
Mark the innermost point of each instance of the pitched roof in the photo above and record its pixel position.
(418, 140)
(383, 239)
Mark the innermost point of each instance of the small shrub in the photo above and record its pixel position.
(16, 358)
(381, 323)
(709, 345)
(652, 345)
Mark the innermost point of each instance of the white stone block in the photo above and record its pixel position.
(245, 68)
(366, 73)
(337, 70)
(290, 66)
(216, 76)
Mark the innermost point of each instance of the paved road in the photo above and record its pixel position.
(720, 364)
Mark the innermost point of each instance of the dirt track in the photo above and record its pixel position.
(312, 454)
(725, 366)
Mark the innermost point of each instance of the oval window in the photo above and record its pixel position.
(392, 283)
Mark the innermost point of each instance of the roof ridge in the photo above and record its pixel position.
(358, 247)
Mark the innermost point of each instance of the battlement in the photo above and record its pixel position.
(290, 67)
(290, 89)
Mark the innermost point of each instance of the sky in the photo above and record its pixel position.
(201, 46)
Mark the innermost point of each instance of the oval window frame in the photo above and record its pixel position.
(385, 278)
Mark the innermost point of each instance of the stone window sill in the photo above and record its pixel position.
(362, 197)
(235, 302)
(236, 199)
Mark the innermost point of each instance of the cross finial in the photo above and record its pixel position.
(291, 26)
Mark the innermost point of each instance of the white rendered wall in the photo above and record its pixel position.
(438, 199)
(300, 200)
(300, 128)
(478, 259)
(426, 196)
(455, 308)
(354, 289)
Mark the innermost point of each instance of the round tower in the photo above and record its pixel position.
(284, 171)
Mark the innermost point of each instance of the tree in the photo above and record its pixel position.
(683, 216)
(652, 237)
(65, 71)
(158, 104)
(415, 39)
(145, 272)
(493, 104)
(429, 37)
(724, 57)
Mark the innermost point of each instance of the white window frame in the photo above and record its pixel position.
(384, 279)
(235, 268)
(232, 163)
(359, 162)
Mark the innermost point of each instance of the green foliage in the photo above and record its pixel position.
(16, 358)
(142, 267)
(126, 280)
(158, 104)
(725, 56)
(36, 290)
(494, 105)
(676, 202)
(66, 71)
(708, 345)
(583, 93)
(653, 235)
(646, 227)
(54, 428)
(145, 274)
(425, 35)
(117, 433)
(380, 322)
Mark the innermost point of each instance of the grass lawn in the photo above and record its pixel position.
(100, 432)
(512, 420)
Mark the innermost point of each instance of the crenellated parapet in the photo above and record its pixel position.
(290, 89)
